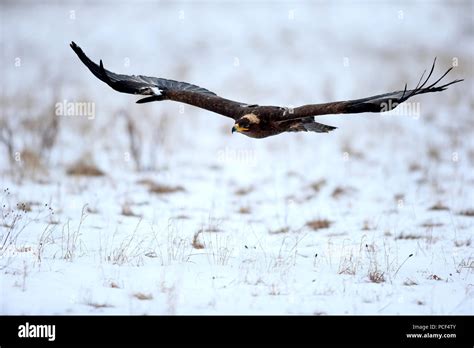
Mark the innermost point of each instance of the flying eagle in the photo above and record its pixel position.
(254, 120)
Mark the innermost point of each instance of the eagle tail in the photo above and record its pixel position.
(308, 125)
(318, 127)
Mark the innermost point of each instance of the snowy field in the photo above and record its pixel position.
(159, 209)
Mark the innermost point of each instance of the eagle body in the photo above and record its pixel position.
(262, 123)
(255, 126)
(253, 120)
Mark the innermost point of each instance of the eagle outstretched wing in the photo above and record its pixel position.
(378, 103)
(162, 89)
(251, 119)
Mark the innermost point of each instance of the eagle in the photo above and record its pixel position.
(256, 121)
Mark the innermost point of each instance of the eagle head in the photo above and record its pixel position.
(245, 123)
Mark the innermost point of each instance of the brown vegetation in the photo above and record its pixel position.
(160, 189)
(142, 297)
(243, 191)
(197, 244)
(82, 168)
(439, 206)
(468, 212)
(319, 224)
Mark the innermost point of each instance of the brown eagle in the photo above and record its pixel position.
(250, 119)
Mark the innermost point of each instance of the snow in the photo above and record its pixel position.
(108, 245)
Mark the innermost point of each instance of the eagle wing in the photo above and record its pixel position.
(163, 89)
(377, 103)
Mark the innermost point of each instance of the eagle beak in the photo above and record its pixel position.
(239, 129)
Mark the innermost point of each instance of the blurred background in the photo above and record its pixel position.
(166, 186)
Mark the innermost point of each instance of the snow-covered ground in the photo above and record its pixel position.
(373, 218)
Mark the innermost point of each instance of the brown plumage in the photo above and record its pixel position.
(254, 120)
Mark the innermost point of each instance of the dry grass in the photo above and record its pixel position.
(348, 265)
(439, 206)
(91, 210)
(376, 276)
(24, 206)
(135, 141)
(319, 224)
(213, 225)
(281, 230)
(98, 305)
(165, 189)
(460, 243)
(243, 191)
(197, 244)
(142, 296)
(28, 154)
(182, 217)
(339, 192)
(82, 168)
(274, 290)
(6, 138)
(15, 224)
(220, 250)
(434, 277)
(409, 282)
(129, 250)
(31, 162)
(245, 210)
(374, 273)
(114, 285)
(318, 185)
(434, 153)
(127, 211)
(160, 189)
(146, 182)
(71, 239)
(431, 224)
(414, 167)
(175, 249)
(408, 236)
(399, 197)
(468, 212)
(367, 226)
(212, 228)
